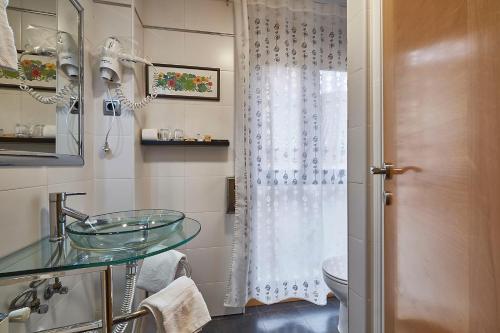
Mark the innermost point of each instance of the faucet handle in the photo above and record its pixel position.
(61, 196)
(74, 193)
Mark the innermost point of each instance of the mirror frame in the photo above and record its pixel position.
(27, 158)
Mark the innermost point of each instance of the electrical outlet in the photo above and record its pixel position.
(108, 107)
(76, 105)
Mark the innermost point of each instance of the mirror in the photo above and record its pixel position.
(41, 104)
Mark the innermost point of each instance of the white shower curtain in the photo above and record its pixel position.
(291, 125)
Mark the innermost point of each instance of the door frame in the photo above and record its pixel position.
(376, 136)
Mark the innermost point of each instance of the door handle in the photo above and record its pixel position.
(388, 170)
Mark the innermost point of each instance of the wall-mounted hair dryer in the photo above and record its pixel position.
(67, 55)
(110, 70)
(110, 66)
(112, 57)
(64, 48)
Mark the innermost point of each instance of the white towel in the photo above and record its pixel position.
(8, 52)
(157, 272)
(179, 308)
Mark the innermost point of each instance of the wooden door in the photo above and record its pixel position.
(442, 124)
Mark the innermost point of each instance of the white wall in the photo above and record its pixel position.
(134, 176)
(24, 215)
(358, 183)
(192, 179)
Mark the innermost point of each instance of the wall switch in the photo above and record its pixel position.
(108, 107)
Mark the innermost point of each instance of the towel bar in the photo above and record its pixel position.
(95, 325)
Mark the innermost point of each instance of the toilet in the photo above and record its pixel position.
(335, 276)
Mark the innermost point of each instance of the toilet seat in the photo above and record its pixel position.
(336, 269)
(336, 279)
(335, 276)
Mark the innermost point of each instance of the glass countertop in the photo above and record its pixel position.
(45, 256)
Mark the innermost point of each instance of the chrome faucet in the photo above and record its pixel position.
(58, 212)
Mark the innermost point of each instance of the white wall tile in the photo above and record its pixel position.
(220, 54)
(355, 7)
(166, 47)
(357, 210)
(166, 193)
(164, 13)
(205, 194)
(218, 121)
(160, 161)
(119, 162)
(357, 266)
(25, 216)
(215, 161)
(210, 15)
(112, 195)
(142, 193)
(356, 43)
(10, 111)
(358, 100)
(163, 113)
(42, 5)
(12, 178)
(34, 112)
(209, 264)
(216, 230)
(214, 294)
(119, 26)
(357, 313)
(357, 155)
(139, 7)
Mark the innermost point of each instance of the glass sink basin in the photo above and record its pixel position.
(124, 230)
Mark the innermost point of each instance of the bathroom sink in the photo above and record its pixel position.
(124, 230)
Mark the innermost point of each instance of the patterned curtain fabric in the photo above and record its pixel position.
(291, 126)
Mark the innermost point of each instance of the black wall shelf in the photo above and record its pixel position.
(16, 139)
(213, 143)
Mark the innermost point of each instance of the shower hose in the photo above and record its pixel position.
(128, 300)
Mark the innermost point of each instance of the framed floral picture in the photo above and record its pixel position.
(187, 82)
(40, 73)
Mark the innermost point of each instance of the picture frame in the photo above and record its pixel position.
(185, 82)
(40, 72)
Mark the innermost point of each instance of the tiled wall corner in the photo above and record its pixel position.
(357, 55)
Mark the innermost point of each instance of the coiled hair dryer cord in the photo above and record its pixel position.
(56, 98)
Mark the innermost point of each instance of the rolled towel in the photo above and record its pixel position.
(150, 134)
(157, 272)
(49, 131)
(8, 52)
(179, 308)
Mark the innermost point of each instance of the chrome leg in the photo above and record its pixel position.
(107, 300)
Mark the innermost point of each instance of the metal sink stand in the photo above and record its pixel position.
(106, 277)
